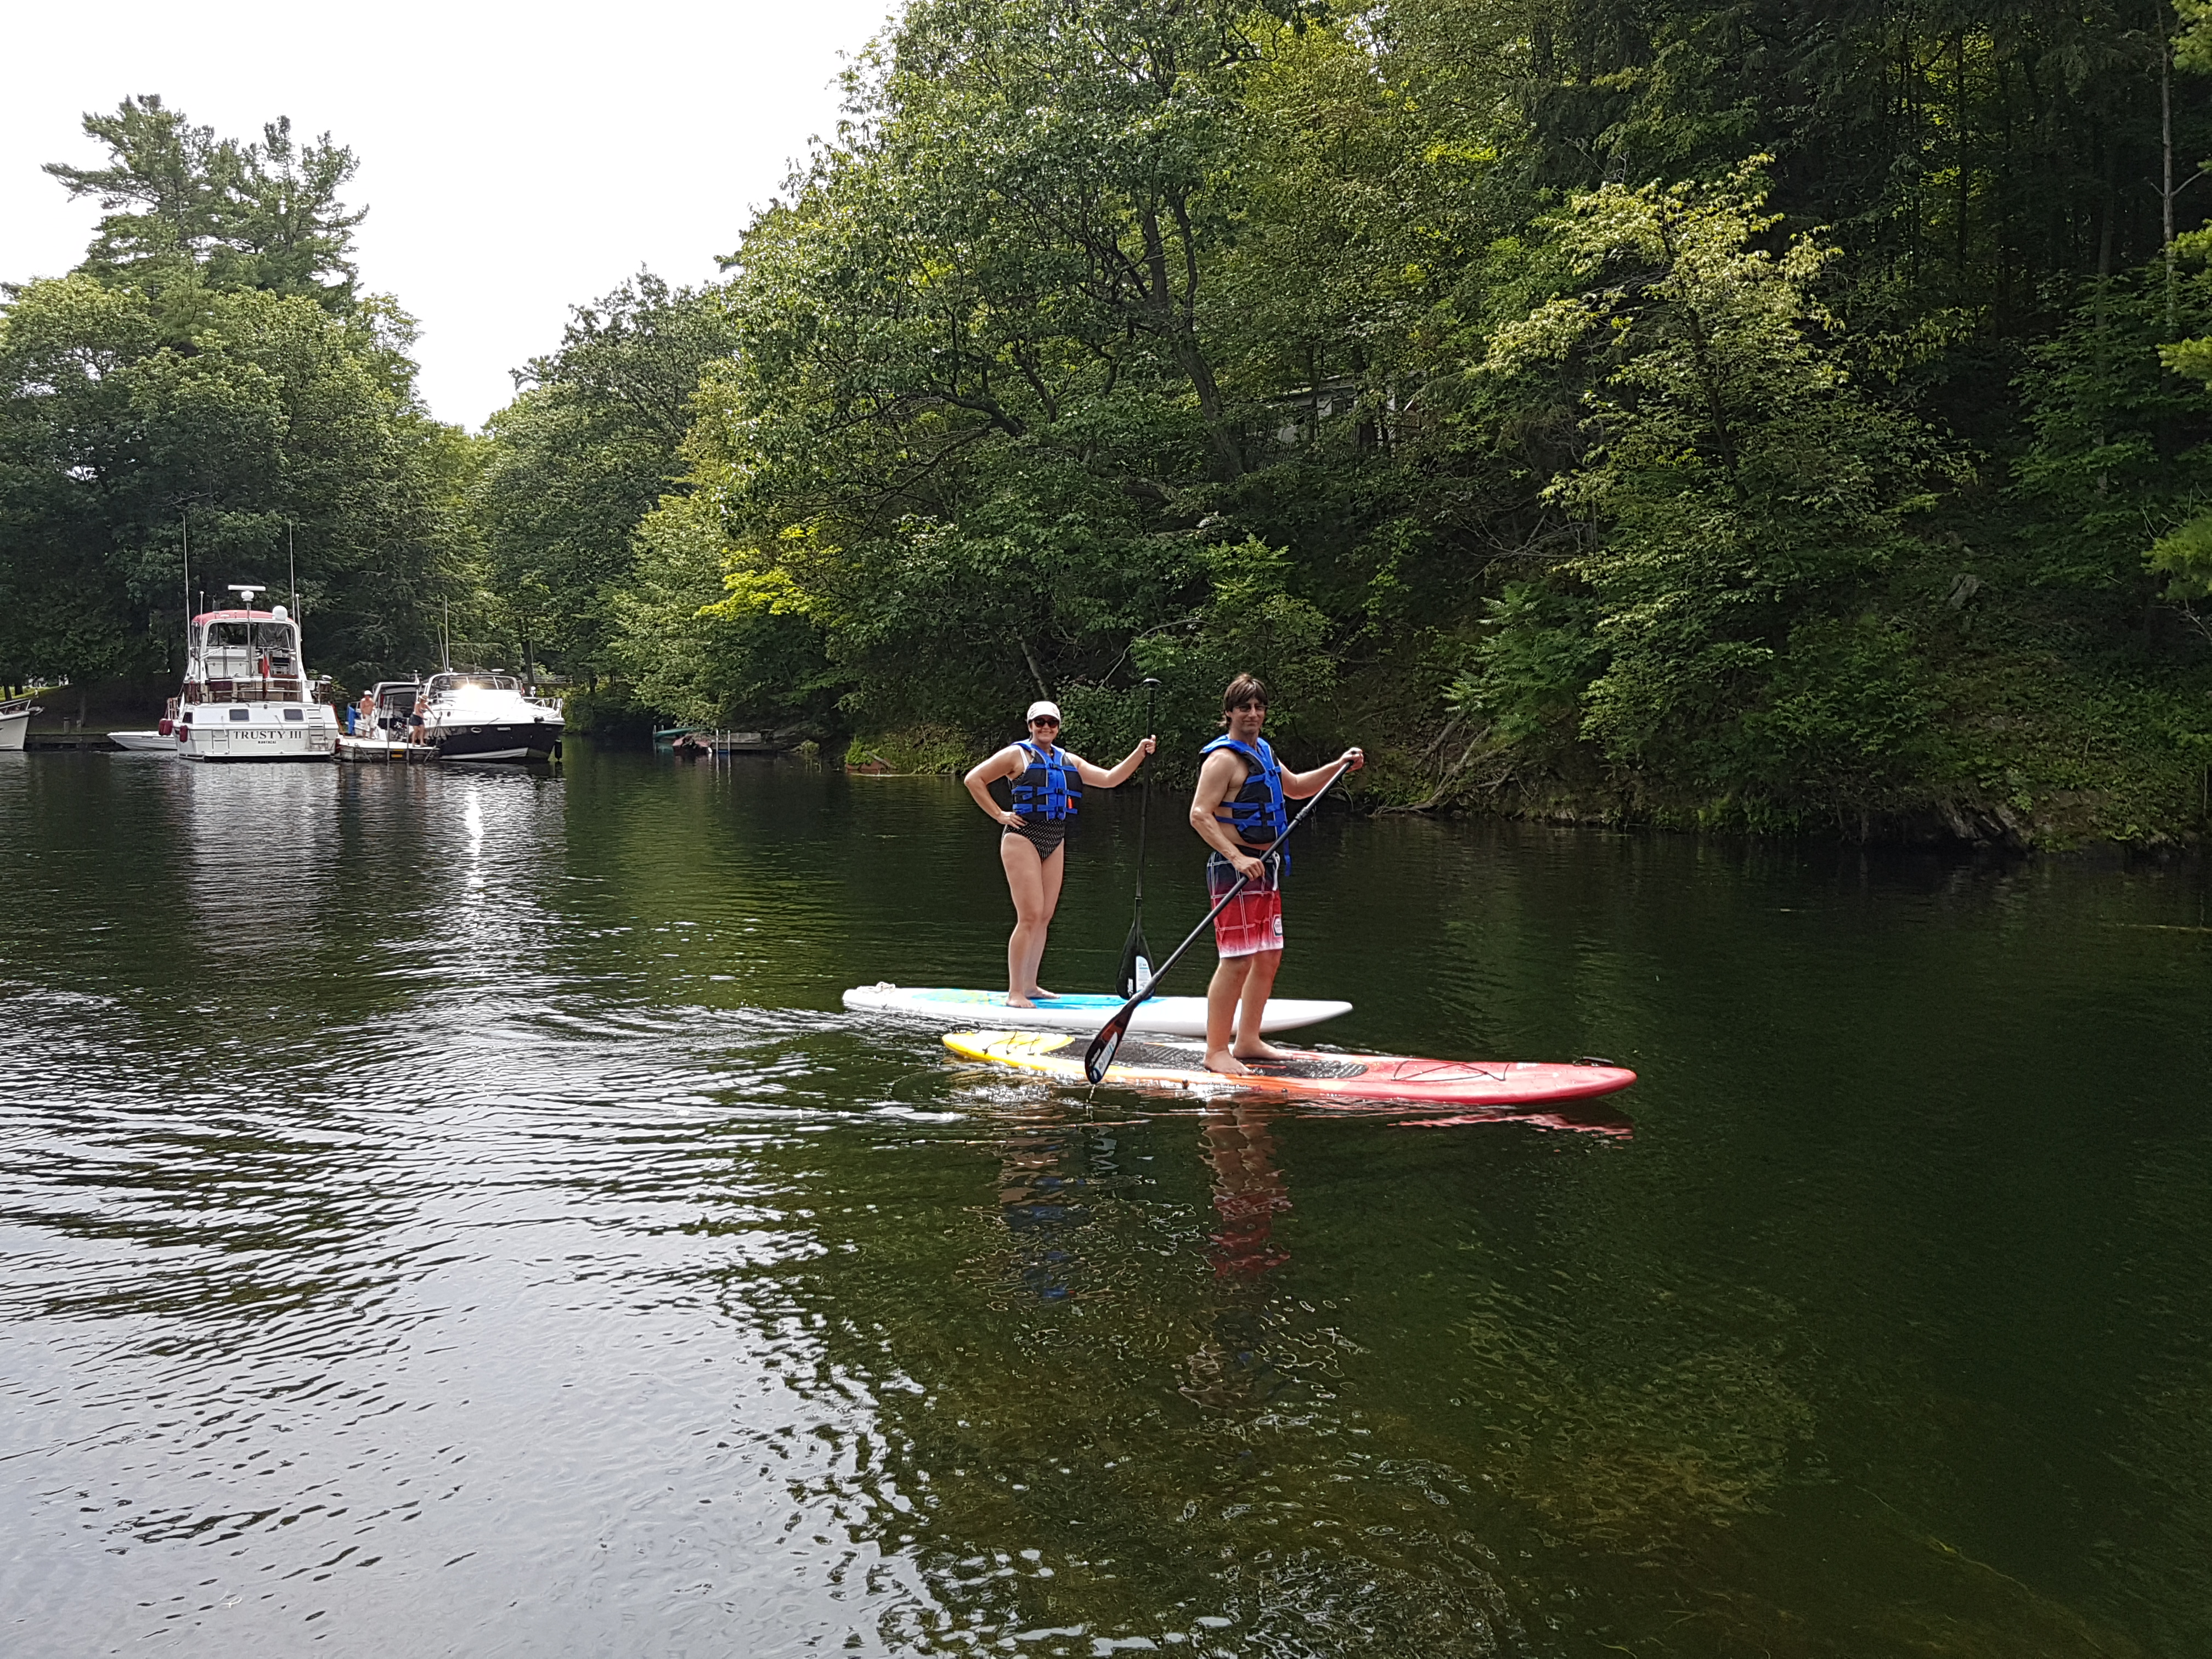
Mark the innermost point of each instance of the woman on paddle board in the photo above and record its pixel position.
(1239, 811)
(1046, 794)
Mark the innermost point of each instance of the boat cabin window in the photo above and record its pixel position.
(446, 684)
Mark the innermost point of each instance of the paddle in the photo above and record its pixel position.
(1137, 955)
(1100, 1054)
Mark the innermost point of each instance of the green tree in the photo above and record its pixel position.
(589, 447)
(186, 205)
(1746, 496)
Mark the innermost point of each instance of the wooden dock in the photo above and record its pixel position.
(70, 740)
(725, 743)
(377, 751)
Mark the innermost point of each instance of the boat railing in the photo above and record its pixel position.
(275, 688)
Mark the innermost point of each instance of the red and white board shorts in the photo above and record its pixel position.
(1252, 921)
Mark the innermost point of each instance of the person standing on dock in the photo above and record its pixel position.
(1032, 848)
(1239, 812)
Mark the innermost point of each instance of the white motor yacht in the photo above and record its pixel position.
(246, 695)
(475, 714)
(15, 721)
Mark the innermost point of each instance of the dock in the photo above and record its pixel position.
(70, 740)
(378, 752)
(728, 742)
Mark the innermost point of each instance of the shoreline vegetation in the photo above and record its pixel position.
(1779, 420)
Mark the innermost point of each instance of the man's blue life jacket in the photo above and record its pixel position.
(1256, 810)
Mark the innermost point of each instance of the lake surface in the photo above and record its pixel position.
(447, 1213)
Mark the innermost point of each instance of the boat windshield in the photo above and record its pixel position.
(241, 649)
(442, 685)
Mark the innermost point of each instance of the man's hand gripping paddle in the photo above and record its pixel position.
(1100, 1054)
(1137, 955)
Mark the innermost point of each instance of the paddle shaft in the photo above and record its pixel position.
(1110, 1034)
(1144, 807)
(1136, 949)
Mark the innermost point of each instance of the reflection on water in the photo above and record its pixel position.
(445, 1212)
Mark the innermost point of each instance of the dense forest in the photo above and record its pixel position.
(1771, 415)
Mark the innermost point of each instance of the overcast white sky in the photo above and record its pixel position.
(515, 159)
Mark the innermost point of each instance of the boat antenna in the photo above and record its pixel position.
(245, 591)
(292, 560)
(446, 636)
(185, 519)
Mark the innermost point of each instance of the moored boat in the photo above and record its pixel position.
(246, 695)
(15, 721)
(144, 742)
(477, 714)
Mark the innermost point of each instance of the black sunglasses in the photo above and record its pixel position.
(1044, 719)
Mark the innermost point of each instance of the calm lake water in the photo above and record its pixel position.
(447, 1213)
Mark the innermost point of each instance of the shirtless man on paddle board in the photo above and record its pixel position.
(1239, 811)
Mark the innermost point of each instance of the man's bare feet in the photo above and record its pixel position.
(1221, 1060)
(1039, 991)
(1260, 1050)
(1014, 1000)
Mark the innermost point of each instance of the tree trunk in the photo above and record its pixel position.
(1035, 673)
(1174, 322)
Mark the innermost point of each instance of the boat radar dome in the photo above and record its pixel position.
(278, 613)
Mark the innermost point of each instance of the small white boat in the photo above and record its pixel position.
(151, 743)
(15, 721)
(1164, 1016)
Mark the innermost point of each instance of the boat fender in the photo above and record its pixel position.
(167, 727)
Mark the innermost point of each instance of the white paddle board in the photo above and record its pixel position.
(1162, 1016)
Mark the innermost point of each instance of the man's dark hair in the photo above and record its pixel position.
(1245, 687)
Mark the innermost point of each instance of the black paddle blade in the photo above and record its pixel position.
(1136, 970)
(1100, 1054)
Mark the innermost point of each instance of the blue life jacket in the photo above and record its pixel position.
(1050, 787)
(1256, 810)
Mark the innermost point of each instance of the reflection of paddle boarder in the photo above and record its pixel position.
(1049, 1175)
(1239, 811)
(1237, 1364)
(1045, 796)
(1249, 1191)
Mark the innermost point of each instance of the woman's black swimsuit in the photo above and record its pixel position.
(1046, 837)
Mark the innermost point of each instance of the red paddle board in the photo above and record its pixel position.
(1307, 1072)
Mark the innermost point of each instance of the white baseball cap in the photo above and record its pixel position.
(1041, 705)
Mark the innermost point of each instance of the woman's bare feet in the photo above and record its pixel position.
(1039, 991)
(1262, 1050)
(1221, 1060)
(1014, 1000)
